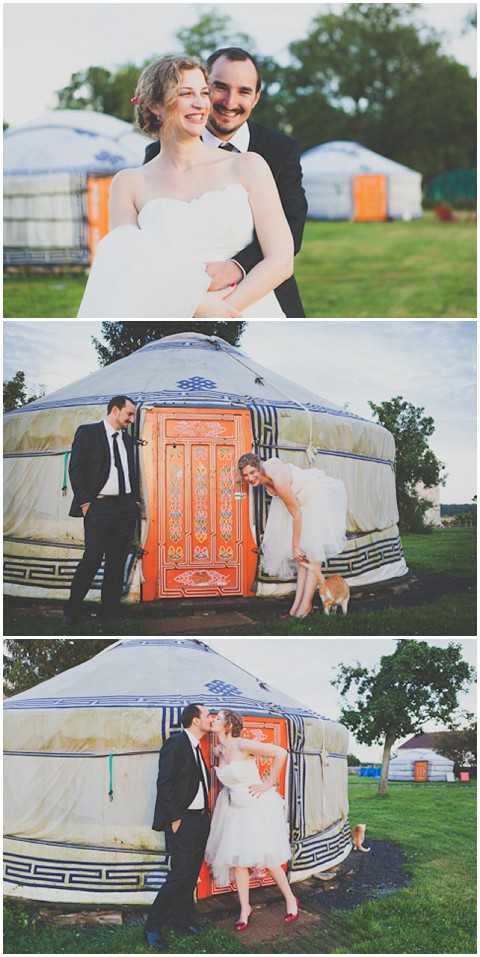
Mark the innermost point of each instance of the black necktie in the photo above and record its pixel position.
(202, 776)
(229, 147)
(118, 465)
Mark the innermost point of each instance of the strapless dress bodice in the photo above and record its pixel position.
(213, 226)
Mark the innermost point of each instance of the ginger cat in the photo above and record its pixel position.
(358, 837)
(333, 590)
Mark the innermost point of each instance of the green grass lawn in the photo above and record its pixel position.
(434, 824)
(451, 550)
(345, 270)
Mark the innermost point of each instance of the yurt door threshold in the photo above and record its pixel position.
(269, 731)
(199, 540)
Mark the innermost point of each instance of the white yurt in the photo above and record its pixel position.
(80, 771)
(344, 180)
(415, 762)
(201, 403)
(57, 171)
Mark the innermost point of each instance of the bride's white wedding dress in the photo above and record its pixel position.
(156, 270)
(323, 502)
(246, 831)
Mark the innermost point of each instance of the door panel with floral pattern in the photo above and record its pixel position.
(199, 541)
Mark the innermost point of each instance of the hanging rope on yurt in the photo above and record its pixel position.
(66, 456)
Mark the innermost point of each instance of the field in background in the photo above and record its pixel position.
(345, 270)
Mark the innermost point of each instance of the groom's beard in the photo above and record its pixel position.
(215, 125)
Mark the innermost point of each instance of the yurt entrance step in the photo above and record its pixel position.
(199, 540)
(269, 731)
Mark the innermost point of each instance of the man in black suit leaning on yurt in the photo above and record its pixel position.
(182, 812)
(235, 89)
(105, 494)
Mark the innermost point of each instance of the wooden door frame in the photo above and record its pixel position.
(151, 471)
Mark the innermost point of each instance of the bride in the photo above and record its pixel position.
(248, 827)
(192, 204)
(307, 520)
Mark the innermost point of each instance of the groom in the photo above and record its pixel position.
(182, 812)
(105, 493)
(235, 89)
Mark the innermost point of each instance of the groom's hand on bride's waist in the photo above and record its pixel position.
(223, 274)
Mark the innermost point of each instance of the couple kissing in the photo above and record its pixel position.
(247, 828)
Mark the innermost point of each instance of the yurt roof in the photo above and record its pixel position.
(343, 156)
(189, 366)
(157, 673)
(421, 754)
(72, 141)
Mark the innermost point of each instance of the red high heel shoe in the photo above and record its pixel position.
(242, 925)
(291, 918)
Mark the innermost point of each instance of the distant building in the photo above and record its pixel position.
(418, 760)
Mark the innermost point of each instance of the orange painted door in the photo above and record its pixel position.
(98, 192)
(420, 771)
(199, 540)
(270, 731)
(369, 198)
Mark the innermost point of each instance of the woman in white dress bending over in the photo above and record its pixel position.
(307, 520)
(191, 205)
(249, 828)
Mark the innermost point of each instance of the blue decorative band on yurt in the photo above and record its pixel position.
(85, 875)
(311, 852)
(237, 701)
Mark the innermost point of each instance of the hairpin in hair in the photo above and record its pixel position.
(135, 100)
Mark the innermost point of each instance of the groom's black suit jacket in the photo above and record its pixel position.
(90, 464)
(282, 154)
(177, 782)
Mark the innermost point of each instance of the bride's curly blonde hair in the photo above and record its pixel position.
(159, 83)
(233, 723)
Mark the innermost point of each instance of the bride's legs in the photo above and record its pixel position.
(281, 880)
(305, 605)
(242, 880)
(301, 577)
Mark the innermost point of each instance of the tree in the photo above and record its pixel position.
(415, 684)
(30, 661)
(15, 392)
(398, 93)
(99, 89)
(460, 744)
(352, 761)
(212, 31)
(414, 461)
(123, 338)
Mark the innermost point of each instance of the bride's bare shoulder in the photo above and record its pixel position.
(251, 167)
(128, 179)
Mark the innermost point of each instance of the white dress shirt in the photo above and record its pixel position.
(111, 485)
(198, 803)
(240, 139)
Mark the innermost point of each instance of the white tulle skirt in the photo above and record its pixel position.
(323, 503)
(247, 832)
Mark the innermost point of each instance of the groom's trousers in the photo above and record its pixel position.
(173, 905)
(109, 529)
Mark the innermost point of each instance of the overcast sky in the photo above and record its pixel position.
(431, 364)
(304, 668)
(45, 43)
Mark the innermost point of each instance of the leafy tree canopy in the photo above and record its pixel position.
(417, 683)
(15, 392)
(123, 338)
(414, 462)
(30, 661)
(460, 744)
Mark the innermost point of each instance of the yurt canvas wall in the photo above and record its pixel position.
(201, 404)
(344, 180)
(81, 764)
(57, 171)
(420, 764)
